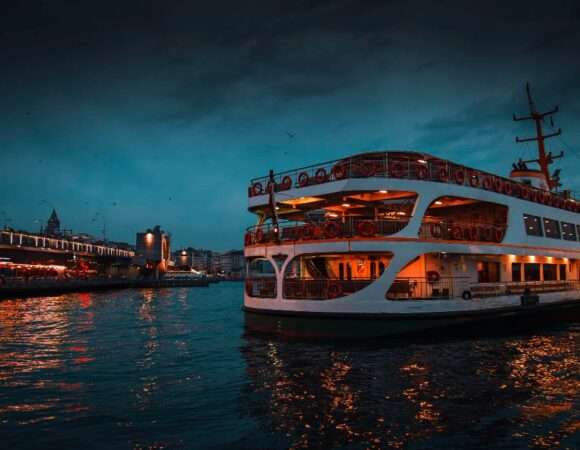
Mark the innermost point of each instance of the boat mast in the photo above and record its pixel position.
(544, 160)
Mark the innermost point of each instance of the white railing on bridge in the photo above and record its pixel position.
(17, 239)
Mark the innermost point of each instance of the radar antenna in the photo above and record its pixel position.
(544, 160)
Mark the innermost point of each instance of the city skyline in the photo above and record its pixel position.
(130, 116)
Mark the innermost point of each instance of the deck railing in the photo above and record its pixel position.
(262, 287)
(481, 290)
(323, 230)
(462, 230)
(406, 165)
(322, 289)
(420, 289)
(367, 228)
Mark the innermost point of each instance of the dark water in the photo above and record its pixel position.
(174, 369)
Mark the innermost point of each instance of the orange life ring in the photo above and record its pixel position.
(457, 233)
(473, 233)
(498, 184)
(321, 175)
(366, 228)
(498, 234)
(307, 231)
(303, 179)
(488, 232)
(286, 183)
(525, 193)
(422, 171)
(459, 176)
(487, 183)
(334, 290)
(331, 230)
(257, 188)
(433, 276)
(474, 179)
(507, 188)
(339, 171)
(443, 174)
(396, 169)
(435, 230)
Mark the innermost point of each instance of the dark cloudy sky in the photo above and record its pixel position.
(159, 112)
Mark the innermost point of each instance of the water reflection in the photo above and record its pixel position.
(476, 393)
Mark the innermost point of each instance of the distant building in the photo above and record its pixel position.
(153, 251)
(231, 264)
(53, 225)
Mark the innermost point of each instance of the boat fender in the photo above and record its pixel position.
(474, 179)
(321, 176)
(466, 295)
(433, 276)
(422, 171)
(459, 176)
(257, 188)
(286, 183)
(303, 179)
(339, 171)
(443, 174)
(248, 239)
(498, 234)
(498, 185)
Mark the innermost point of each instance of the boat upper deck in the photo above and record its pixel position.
(411, 166)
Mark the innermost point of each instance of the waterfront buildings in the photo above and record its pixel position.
(152, 251)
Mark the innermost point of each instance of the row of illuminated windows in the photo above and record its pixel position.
(538, 272)
(542, 226)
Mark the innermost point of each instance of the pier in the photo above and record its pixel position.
(46, 288)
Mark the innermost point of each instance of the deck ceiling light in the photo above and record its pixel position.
(346, 205)
(383, 192)
(438, 202)
(422, 161)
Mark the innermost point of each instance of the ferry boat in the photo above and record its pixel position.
(394, 242)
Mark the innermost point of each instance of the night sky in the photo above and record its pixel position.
(151, 112)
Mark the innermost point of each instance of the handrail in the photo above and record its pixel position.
(323, 230)
(368, 228)
(407, 165)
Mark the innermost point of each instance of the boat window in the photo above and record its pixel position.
(533, 225)
(326, 276)
(516, 271)
(487, 272)
(531, 272)
(568, 231)
(260, 278)
(550, 272)
(562, 268)
(552, 228)
(459, 218)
